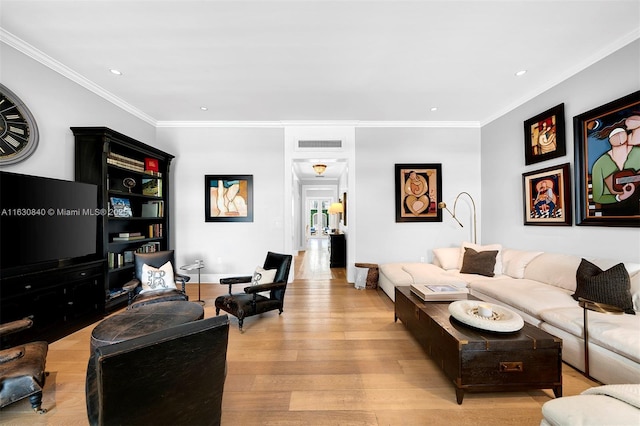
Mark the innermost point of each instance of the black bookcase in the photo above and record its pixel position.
(133, 195)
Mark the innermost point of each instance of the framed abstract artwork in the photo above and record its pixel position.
(607, 163)
(547, 196)
(544, 136)
(418, 192)
(228, 198)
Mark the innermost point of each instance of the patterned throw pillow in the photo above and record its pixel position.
(157, 278)
(263, 276)
(479, 262)
(611, 287)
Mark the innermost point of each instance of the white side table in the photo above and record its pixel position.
(198, 265)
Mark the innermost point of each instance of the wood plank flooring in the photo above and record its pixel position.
(334, 357)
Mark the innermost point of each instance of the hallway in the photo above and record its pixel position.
(313, 264)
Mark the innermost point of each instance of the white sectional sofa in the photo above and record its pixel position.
(539, 286)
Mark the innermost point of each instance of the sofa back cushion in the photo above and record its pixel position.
(634, 273)
(610, 286)
(555, 269)
(447, 257)
(514, 262)
(497, 270)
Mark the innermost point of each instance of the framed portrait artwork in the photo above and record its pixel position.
(607, 163)
(228, 198)
(547, 196)
(544, 136)
(418, 192)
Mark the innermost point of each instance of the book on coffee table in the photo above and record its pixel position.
(439, 292)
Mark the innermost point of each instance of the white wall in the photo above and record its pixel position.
(503, 164)
(57, 104)
(380, 238)
(227, 248)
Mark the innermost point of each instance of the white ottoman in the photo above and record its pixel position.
(615, 405)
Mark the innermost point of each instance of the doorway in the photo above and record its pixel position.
(304, 147)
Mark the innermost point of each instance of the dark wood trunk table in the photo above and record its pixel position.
(477, 360)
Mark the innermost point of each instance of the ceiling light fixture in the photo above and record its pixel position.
(521, 73)
(115, 71)
(204, 108)
(434, 109)
(319, 168)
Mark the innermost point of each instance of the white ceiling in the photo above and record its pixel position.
(319, 61)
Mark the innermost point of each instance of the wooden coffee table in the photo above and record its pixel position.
(477, 360)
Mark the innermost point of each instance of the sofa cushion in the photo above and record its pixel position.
(618, 333)
(528, 296)
(634, 273)
(610, 286)
(514, 262)
(447, 258)
(556, 269)
(497, 270)
(481, 263)
(395, 274)
(426, 273)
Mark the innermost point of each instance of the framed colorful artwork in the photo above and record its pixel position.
(228, 198)
(607, 163)
(544, 136)
(418, 192)
(547, 196)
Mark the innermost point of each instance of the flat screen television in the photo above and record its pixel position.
(45, 223)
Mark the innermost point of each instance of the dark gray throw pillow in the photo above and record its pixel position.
(479, 262)
(612, 287)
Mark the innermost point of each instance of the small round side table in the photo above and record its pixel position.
(198, 265)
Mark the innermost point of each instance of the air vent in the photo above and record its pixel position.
(320, 144)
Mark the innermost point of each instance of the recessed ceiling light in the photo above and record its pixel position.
(115, 71)
(204, 108)
(434, 108)
(521, 73)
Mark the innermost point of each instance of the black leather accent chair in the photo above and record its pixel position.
(22, 368)
(249, 303)
(170, 377)
(155, 259)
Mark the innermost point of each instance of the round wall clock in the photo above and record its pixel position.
(18, 129)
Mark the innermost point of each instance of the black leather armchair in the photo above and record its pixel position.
(250, 302)
(156, 259)
(170, 377)
(22, 368)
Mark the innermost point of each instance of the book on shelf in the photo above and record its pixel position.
(115, 260)
(151, 165)
(121, 207)
(152, 187)
(155, 230)
(129, 234)
(133, 238)
(439, 292)
(116, 292)
(125, 162)
(153, 209)
(150, 247)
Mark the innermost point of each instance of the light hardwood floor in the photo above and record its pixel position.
(334, 357)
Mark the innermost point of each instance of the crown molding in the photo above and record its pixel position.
(46, 60)
(311, 123)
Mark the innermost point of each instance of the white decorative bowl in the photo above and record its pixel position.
(502, 320)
